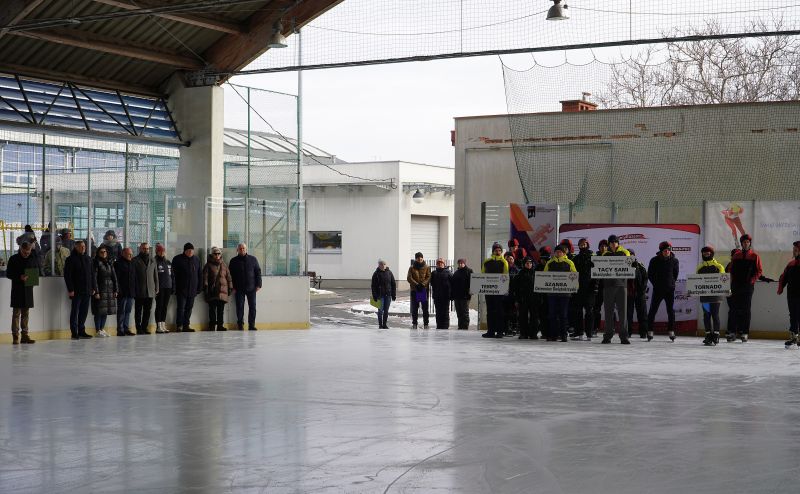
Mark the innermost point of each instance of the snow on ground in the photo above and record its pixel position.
(316, 291)
(402, 308)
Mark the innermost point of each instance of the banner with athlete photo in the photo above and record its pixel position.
(534, 225)
(725, 222)
(643, 239)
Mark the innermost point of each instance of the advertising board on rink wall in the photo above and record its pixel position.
(644, 240)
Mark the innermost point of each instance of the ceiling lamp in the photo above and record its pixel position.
(277, 40)
(418, 196)
(557, 12)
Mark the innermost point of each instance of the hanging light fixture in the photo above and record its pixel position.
(418, 196)
(277, 40)
(557, 12)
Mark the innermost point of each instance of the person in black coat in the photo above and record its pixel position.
(440, 284)
(663, 273)
(188, 284)
(587, 292)
(384, 290)
(525, 300)
(126, 282)
(21, 295)
(104, 286)
(166, 284)
(246, 274)
(78, 278)
(459, 291)
(637, 300)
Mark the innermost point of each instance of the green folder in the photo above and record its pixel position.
(375, 303)
(33, 277)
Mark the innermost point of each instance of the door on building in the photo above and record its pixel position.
(424, 237)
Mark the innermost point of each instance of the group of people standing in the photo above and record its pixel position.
(115, 283)
(557, 316)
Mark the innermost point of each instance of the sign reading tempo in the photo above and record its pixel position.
(613, 267)
(550, 282)
(488, 284)
(708, 285)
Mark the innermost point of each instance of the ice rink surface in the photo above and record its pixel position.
(348, 410)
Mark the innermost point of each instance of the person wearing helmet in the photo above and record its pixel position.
(495, 263)
(711, 303)
(791, 279)
(745, 269)
(663, 273)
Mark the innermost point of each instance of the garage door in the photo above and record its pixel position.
(425, 236)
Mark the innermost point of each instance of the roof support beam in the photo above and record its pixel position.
(50, 75)
(106, 44)
(204, 22)
(15, 11)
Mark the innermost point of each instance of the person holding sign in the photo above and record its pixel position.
(525, 300)
(20, 270)
(558, 303)
(745, 269)
(419, 277)
(615, 296)
(663, 273)
(790, 278)
(711, 304)
(496, 264)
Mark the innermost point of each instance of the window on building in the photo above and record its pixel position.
(326, 241)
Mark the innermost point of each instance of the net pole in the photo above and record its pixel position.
(299, 117)
(288, 226)
(125, 214)
(247, 200)
(44, 173)
(52, 233)
(89, 212)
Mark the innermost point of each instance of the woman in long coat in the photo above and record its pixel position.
(217, 286)
(104, 288)
(21, 295)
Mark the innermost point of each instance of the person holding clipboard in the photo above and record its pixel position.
(23, 271)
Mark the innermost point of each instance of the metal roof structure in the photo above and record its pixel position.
(135, 46)
(265, 146)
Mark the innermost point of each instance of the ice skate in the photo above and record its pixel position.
(743, 337)
(672, 335)
(791, 341)
(649, 336)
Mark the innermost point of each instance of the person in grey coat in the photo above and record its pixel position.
(146, 288)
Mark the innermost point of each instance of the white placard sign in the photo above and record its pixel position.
(709, 284)
(613, 267)
(488, 284)
(555, 282)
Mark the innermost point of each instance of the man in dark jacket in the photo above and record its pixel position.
(587, 291)
(126, 283)
(663, 273)
(21, 295)
(188, 284)
(419, 279)
(166, 282)
(459, 290)
(745, 268)
(525, 300)
(637, 300)
(384, 290)
(791, 279)
(440, 285)
(146, 288)
(78, 278)
(246, 274)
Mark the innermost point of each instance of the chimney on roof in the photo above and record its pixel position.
(576, 105)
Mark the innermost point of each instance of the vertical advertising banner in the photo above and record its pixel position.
(777, 225)
(534, 225)
(726, 222)
(644, 240)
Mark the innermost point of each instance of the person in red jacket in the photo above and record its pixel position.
(745, 269)
(517, 251)
(791, 279)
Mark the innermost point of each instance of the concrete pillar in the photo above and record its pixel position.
(199, 114)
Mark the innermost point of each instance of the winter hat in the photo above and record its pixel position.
(527, 259)
(545, 251)
(613, 238)
(513, 243)
(381, 261)
(664, 245)
(796, 244)
(111, 234)
(568, 244)
(187, 246)
(707, 248)
(583, 240)
(418, 255)
(496, 246)
(216, 250)
(160, 249)
(462, 260)
(440, 260)
(508, 254)
(602, 243)
(744, 237)
(561, 248)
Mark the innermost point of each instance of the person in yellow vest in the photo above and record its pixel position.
(558, 303)
(615, 296)
(710, 303)
(494, 303)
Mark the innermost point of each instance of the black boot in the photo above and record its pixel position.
(15, 340)
(791, 341)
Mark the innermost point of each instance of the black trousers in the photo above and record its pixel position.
(462, 311)
(216, 310)
(711, 317)
(668, 297)
(739, 309)
(794, 314)
(494, 314)
(638, 304)
(162, 302)
(596, 313)
(528, 317)
(141, 315)
(183, 313)
(584, 313)
(251, 308)
(442, 313)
